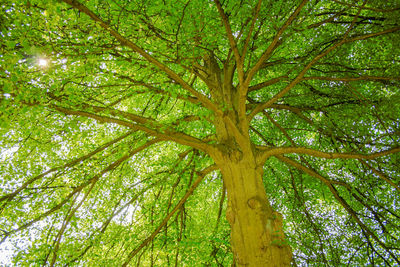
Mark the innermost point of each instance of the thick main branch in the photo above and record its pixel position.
(268, 152)
(139, 123)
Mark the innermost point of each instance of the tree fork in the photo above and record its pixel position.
(257, 236)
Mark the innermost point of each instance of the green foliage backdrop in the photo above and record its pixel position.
(103, 150)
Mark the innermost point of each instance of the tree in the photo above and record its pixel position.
(130, 129)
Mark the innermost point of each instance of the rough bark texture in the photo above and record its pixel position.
(257, 237)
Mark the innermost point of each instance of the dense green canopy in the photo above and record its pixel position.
(108, 117)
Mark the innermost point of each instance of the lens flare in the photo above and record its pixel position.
(42, 62)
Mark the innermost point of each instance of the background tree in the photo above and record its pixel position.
(130, 129)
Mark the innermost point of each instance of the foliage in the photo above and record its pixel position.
(104, 150)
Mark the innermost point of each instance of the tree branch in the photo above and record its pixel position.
(267, 83)
(156, 90)
(350, 79)
(79, 188)
(367, 8)
(380, 174)
(265, 153)
(124, 41)
(139, 123)
(274, 44)
(342, 201)
(190, 191)
(370, 35)
(253, 22)
(115, 212)
(69, 164)
(232, 42)
(300, 76)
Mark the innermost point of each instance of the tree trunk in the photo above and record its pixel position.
(257, 237)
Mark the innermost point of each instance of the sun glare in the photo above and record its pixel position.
(42, 62)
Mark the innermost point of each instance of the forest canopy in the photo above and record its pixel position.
(199, 132)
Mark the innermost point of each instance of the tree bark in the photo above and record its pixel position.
(257, 236)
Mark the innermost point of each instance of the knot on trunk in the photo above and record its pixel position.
(255, 203)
